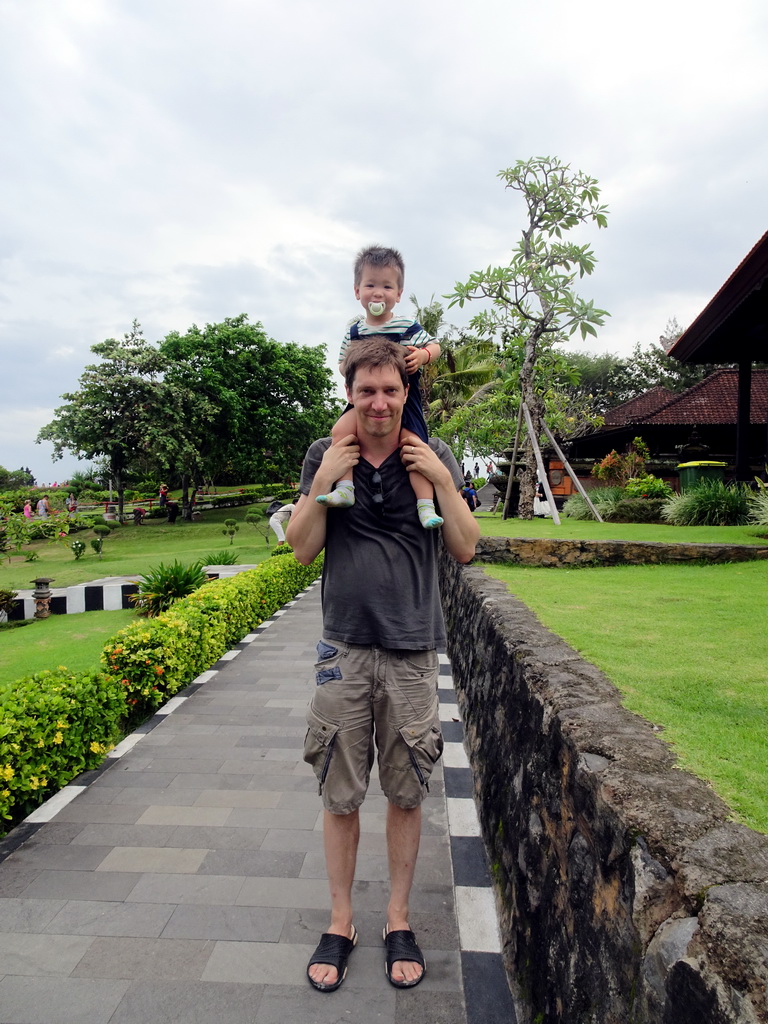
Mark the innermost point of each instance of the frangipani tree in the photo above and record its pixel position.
(532, 300)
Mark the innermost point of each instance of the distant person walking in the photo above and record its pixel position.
(28, 509)
(279, 519)
(43, 508)
(163, 496)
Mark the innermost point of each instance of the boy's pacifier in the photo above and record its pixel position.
(376, 308)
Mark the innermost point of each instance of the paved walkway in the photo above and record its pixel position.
(184, 881)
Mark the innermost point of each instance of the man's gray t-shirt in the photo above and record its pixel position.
(380, 573)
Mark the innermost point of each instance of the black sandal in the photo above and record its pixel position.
(402, 945)
(334, 951)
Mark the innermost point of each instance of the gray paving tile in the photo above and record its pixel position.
(257, 798)
(270, 818)
(419, 1006)
(167, 814)
(74, 858)
(122, 779)
(263, 963)
(217, 889)
(158, 859)
(55, 833)
(124, 835)
(38, 955)
(14, 878)
(20, 915)
(283, 892)
(300, 840)
(86, 812)
(200, 781)
(182, 764)
(265, 863)
(301, 1004)
(95, 917)
(61, 1000)
(80, 885)
(217, 837)
(146, 797)
(244, 924)
(187, 1002)
(141, 958)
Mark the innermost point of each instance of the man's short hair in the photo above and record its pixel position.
(374, 352)
(379, 256)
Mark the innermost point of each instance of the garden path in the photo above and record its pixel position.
(184, 880)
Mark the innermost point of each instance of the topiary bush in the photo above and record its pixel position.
(710, 503)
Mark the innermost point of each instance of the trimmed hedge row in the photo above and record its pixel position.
(55, 725)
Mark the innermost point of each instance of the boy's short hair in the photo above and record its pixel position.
(373, 352)
(379, 256)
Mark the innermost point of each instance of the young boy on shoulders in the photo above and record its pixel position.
(379, 279)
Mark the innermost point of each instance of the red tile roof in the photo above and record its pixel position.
(713, 400)
(639, 407)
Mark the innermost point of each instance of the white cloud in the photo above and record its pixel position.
(182, 162)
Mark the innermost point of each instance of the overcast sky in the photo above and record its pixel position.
(179, 161)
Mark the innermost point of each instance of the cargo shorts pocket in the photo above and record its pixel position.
(319, 743)
(425, 745)
(325, 673)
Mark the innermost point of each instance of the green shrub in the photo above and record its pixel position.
(7, 600)
(53, 726)
(224, 557)
(710, 503)
(636, 510)
(164, 584)
(281, 549)
(604, 499)
(155, 658)
(646, 487)
(78, 548)
(758, 505)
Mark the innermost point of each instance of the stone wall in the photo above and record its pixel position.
(625, 893)
(555, 552)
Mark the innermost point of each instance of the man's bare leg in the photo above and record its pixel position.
(341, 835)
(403, 837)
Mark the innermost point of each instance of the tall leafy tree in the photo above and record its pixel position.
(122, 410)
(532, 298)
(270, 400)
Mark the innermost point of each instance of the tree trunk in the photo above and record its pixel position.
(186, 507)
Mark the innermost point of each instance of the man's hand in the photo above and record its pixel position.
(460, 530)
(338, 462)
(306, 527)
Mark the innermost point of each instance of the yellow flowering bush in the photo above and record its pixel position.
(53, 726)
(152, 659)
(56, 724)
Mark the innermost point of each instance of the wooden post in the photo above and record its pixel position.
(540, 465)
(510, 478)
(571, 473)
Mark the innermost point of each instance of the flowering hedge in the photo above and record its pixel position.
(53, 726)
(152, 659)
(56, 724)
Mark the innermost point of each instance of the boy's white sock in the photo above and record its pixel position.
(428, 517)
(342, 496)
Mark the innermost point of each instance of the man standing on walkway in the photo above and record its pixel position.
(377, 665)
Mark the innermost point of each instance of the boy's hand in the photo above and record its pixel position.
(416, 357)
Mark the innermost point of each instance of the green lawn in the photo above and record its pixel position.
(75, 641)
(685, 645)
(132, 550)
(569, 529)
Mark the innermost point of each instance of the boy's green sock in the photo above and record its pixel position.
(428, 518)
(342, 496)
